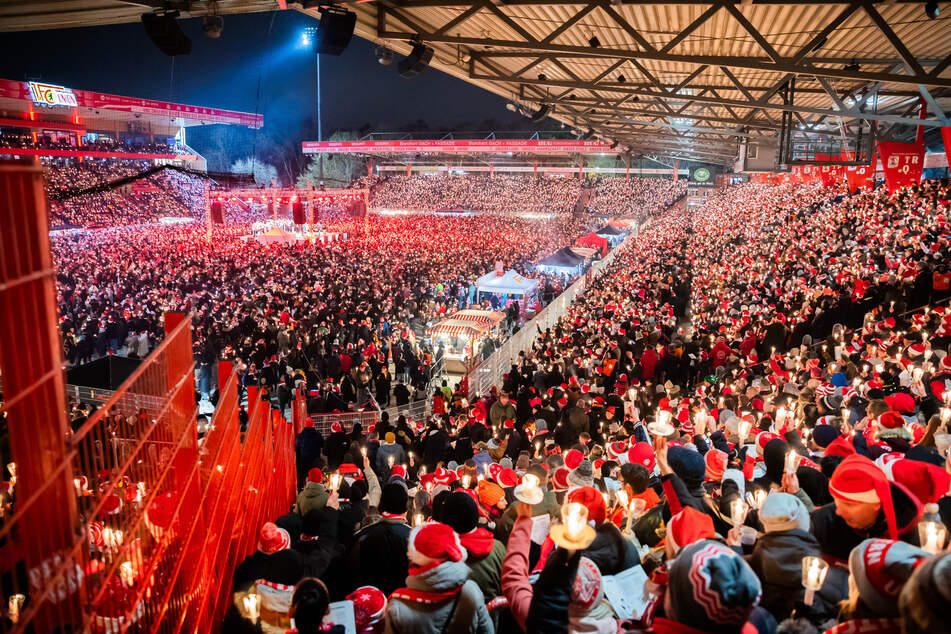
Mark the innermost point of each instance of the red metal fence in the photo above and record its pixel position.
(129, 521)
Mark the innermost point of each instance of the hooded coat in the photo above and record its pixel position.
(405, 616)
(313, 496)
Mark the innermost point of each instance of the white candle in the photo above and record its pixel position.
(14, 605)
(744, 429)
(251, 606)
(737, 511)
(335, 482)
(126, 573)
(814, 572)
(932, 536)
(418, 519)
(792, 461)
(466, 480)
(530, 481)
(576, 517)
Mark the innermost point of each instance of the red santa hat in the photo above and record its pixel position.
(715, 464)
(335, 427)
(643, 454)
(573, 458)
(591, 499)
(315, 475)
(369, 604)
(901, 402)
(273, 539)
(891, 420)
(507, 478)
(399, 471)
(559, 479)
(617, 448)
(689, 526)
(928, 482)
(857, 479)
(432, 544)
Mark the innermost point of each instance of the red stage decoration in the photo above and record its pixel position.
(902, 163)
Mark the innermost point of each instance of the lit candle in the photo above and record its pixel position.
(945, 414)
(126, 573)
(363, 450)
(418, 519)
(814, 572)
(390, 461)
(932, 536)
(79, 486)
(466, 480)
(792, 461)
(14, 605)
(576, 517)
(756, 498)
(530, 481)
(251, 606)
(737, 511)
(744, 428)
(621, 498)
(335, 482)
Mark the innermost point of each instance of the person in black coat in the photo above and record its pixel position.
(308, 446)
(337, 445)
(378, 554)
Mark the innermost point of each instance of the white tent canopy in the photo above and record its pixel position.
(511, 282)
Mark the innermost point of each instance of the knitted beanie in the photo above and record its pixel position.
(783, 512)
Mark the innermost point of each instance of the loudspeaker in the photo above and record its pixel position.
(297, 210)
(334, 31)
(416, 62)
(217, 213)
(165, 33)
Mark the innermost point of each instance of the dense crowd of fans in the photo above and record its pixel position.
(98, 145)
(740, 426)
(636, 196)
(498, 194)
(165, 194)
(513, 195)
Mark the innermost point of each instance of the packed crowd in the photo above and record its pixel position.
(499, 194)
(98, 145)
(168, 193)
(741, 426)
(369, 296)
(637, 196)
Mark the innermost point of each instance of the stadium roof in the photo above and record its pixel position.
(675, 78)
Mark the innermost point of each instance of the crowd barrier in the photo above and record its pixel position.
(490, 371)
(162, 518)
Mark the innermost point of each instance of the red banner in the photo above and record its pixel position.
(104, 101)
(553, 146)
(830, 175)
(902, 163)
(859, 176)
(946, 135)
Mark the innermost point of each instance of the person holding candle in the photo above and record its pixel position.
(777, 559)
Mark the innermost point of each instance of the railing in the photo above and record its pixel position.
(323, 422)
(490, 372)
(417, 410)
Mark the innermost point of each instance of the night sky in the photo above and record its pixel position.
(224, 73)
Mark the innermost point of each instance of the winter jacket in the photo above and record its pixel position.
(383, 455)
(609, 551)
(407, 616)
(337, 445)
(485, 556)
(838, 538)
(378, 555)
(777, 561)
(515, 567)
(309, 444)
(499, 413)
(549, 505)
(551, 609)
(312, 496)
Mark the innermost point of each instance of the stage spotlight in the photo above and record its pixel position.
(416, 62)
(594, 42)
(541, 113)
(542, 77)
(163, 30)
(334, 30)
(932, 10)
(384, 55)
(621, 79)
(213, 25)
(852, 68)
